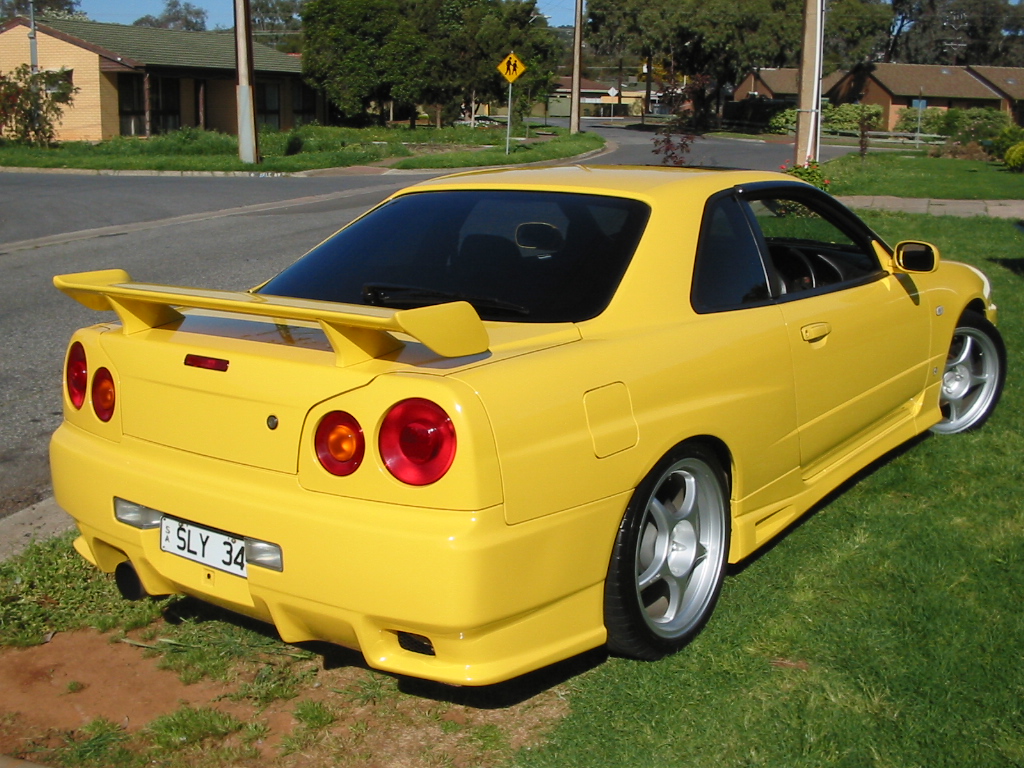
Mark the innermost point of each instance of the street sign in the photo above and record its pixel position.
(511, 68)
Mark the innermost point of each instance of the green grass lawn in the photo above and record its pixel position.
(886, 630)
(910, 174)
(307, 148)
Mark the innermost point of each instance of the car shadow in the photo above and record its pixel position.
(1014, 265)
(834, 494)
(496, 696)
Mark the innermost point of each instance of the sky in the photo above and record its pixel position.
(221, 12)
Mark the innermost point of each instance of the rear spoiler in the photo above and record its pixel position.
(356, 333)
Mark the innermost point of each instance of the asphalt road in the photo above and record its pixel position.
(214, 232)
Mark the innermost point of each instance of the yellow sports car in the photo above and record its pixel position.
(509, 416)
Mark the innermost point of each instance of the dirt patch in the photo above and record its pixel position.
(53, 690)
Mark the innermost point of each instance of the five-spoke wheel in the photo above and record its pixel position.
(670, 554)
(973, 377)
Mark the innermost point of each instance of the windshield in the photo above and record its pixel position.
(514, 255)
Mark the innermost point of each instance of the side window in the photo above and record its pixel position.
(728, 273)
(807, 248)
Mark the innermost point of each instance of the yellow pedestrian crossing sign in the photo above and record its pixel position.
(511, 67)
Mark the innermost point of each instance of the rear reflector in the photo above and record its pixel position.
(209, 363)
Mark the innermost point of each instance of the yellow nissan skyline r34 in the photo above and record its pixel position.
(509, 416)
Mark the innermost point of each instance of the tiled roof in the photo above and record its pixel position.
(931, 81)
(170, 47)
(779, 81)
(783, 80)
(1009, 80)
(565, 84)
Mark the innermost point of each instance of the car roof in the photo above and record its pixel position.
(642, 182)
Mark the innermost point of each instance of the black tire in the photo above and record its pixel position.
(972, 381)
(670, 555)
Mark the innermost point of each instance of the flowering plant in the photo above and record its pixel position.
(811, 173)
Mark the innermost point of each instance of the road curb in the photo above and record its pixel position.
(39, 522)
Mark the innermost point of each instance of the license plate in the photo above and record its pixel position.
(202, 545)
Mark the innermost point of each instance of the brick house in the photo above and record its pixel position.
(894, 87)
(1008, 82)
(779, 84)
(138, 81)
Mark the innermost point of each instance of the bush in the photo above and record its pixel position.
(1014, 158)
(961, 125)
(811, 173)
(782, 122)
(971, 150)
(848, 117)
(32, 104)
(1012, 134)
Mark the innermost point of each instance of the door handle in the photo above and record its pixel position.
(815, 331)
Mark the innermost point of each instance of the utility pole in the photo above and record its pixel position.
(577, 61)
(33, 57)
(808, 116)
(248, 151)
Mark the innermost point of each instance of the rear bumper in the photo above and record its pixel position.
(494, 600)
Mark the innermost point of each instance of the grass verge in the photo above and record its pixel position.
(306, 148)
(914, 174)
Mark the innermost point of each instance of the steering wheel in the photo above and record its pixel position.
(802, 282)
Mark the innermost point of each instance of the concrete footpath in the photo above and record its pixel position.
(1000, 209)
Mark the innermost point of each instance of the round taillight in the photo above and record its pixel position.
(77, 374)
(339, 443)
(103, 397)
(417, 441)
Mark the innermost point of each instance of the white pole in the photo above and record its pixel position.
(508, 131)
(247, 149)
(577, 61)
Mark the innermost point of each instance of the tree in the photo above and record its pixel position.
(176, 15)
(12, 8)
(958, 32)
(344, 41)
(855, 31)
(423, 52)
(278, 23)
(31, 105)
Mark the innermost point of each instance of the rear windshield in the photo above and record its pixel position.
(533, 257)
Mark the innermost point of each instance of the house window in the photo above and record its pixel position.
(268, 105)
(164, 103)
(303, 104)
(131, 104)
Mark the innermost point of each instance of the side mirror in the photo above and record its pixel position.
(916, 256)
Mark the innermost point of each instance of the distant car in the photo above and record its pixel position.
(480, 121)
(506, 417)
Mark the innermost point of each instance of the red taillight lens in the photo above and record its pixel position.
(77, 374)
(417, 441)
(339, 443)
(103, 397)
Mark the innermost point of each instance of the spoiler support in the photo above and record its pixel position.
(356, 333)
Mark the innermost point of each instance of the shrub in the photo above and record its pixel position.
(31, 105)
(962, 125)
(782, 122)
(1014, 158)
(848, 117)
(971, 150)
(811, 173)
(1012, 134)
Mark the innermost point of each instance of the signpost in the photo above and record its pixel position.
(511, 67)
